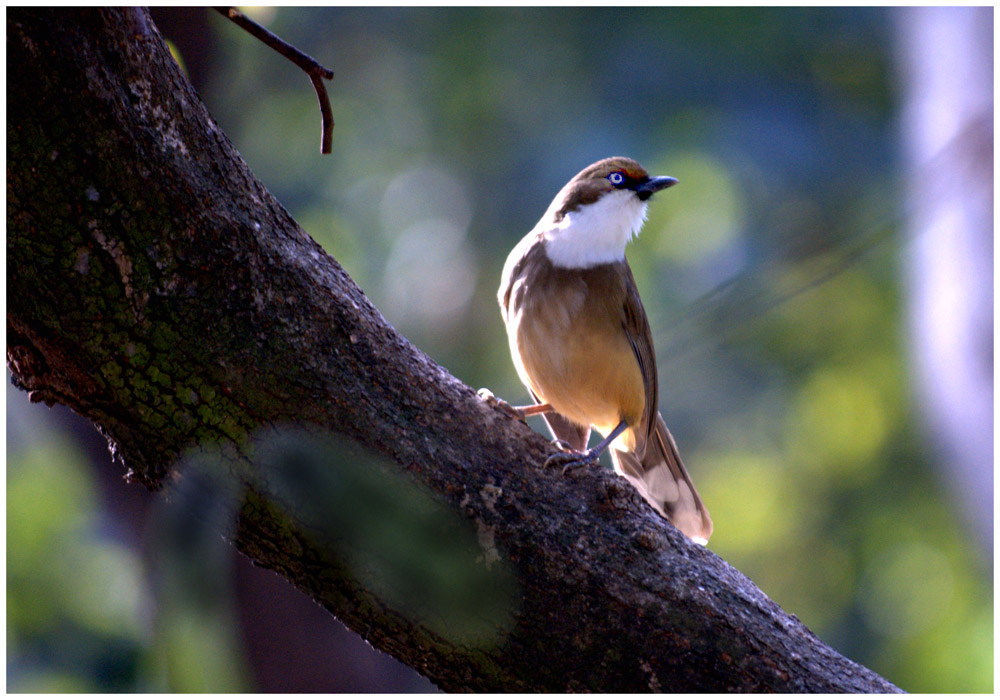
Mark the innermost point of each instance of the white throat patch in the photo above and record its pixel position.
(594, 234)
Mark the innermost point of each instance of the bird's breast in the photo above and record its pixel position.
(568, 342)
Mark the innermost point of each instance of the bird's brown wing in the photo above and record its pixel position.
(655, 467)
(636, 327)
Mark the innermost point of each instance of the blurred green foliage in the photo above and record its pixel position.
(74, 595)
(83, 614)
(190, 571)
(783, 368)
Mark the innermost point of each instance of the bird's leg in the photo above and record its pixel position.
(534, 409)
(573, 459)
(518, 412)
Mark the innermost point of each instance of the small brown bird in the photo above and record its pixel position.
(581, 341)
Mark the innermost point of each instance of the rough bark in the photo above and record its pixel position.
(157, 288)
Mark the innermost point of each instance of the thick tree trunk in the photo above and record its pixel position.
(158, 289)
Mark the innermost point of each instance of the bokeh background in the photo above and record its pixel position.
(820, 286)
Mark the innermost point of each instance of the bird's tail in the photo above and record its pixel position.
(662, 480)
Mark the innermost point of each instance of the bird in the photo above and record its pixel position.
(581, 342)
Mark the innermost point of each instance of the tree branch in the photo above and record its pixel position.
(160, 290)
(311, 66)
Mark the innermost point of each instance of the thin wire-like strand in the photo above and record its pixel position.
(735, 303)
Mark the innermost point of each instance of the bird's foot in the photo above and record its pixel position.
(492, 399)
(571, 459)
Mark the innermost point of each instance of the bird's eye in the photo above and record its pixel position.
(616, 179)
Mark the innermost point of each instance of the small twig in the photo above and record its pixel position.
(311, 66)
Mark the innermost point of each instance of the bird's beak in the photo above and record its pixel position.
(653, 185)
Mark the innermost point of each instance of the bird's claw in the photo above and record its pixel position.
(570, 460)
(493, 400)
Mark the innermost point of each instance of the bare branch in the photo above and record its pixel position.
(316, 71)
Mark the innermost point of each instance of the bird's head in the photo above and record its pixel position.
(598, 212)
